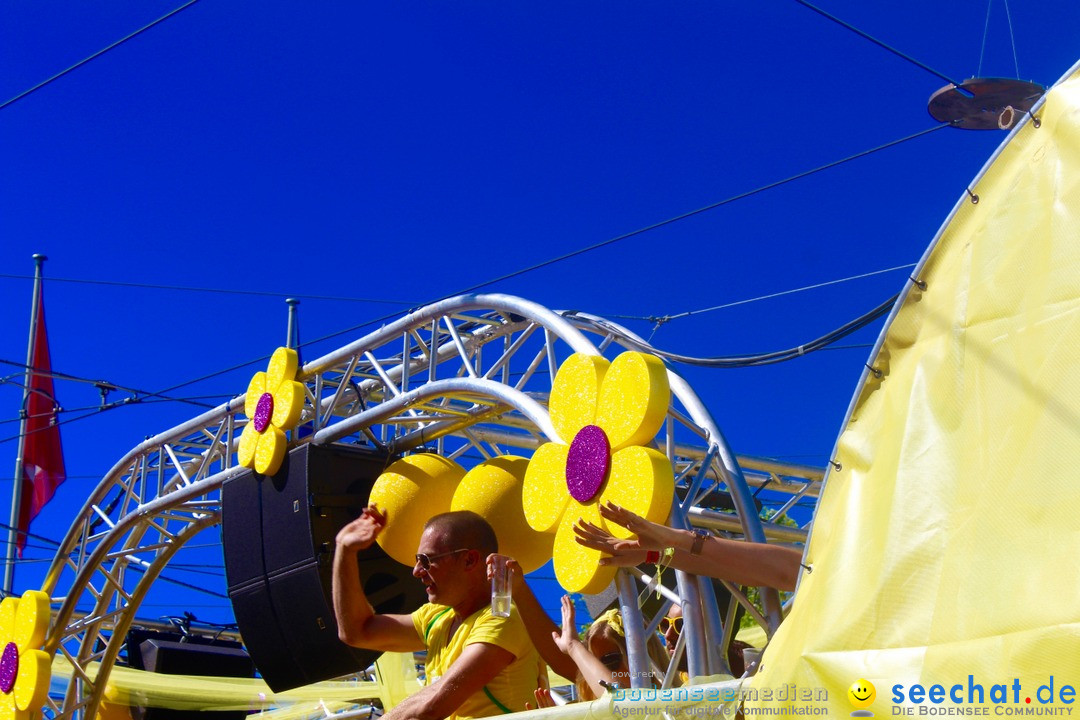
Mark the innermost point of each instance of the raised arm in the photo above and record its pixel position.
(358, 624)
(477, 665)
(537, 622)
(743, 563)
(587, 665)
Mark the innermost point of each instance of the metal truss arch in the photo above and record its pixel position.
(467, 377)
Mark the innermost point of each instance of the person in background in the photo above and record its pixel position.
(478, 664)
(671, 627)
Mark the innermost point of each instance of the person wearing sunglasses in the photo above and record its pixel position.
(671, 626)
(478, 664)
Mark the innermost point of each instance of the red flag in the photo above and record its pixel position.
(43, 458)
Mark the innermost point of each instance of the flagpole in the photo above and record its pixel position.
(16, 489)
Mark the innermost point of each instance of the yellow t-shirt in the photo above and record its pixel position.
(512, 687)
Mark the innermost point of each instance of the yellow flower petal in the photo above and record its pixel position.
(31, 620)
(32, 682)
(249, 442)
(288, 404)
(544, 495)
(8, 607)
(282, 367)
(410, 492)
(634, 399)
(574, 393)
(271, 451)
(493, 490)
(255, 390)
(640, 480)
(7, 706)
(577, 568)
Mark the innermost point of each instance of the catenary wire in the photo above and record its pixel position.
(815, 286)
(220, 291)
(877, 42)
(567, 256)
(97, 383)
(1012, 39)
(537, 266)
(986, 32)
(98, 54)
(698, 211)
(738, 361)
(138, 568)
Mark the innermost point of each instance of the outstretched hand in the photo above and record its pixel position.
(566, 638)
(543, 699)
(650, 535)
(361, 532)
(623, 553)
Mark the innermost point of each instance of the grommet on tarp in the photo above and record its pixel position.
(874, 371)
(921, 284)
(973, 196)
(836, 466)
(981, 103)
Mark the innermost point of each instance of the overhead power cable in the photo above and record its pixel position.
(582, 251)
(781, 293)
(877, 42)
(131, 566)
(98, 54)
(567, 256)
(692, 213)
(103, 385)
(220, 291)
(769, 358)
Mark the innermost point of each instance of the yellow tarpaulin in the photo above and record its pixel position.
(138, 688)
(946, 547)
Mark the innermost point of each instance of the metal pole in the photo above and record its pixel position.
(636, 654)
(16, 486)
(292, 339)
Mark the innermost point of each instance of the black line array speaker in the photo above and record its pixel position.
(278, 532)
(176, 654)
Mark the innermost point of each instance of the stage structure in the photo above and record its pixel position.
(467, 374)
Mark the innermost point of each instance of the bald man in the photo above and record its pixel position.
(478, 665)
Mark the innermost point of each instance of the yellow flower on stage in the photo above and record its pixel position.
(24, 667)
(273, 402)
(606, 412)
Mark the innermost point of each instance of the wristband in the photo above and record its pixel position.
(662, 560)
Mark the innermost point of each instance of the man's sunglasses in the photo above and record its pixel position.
(668, 622)
(424, 560)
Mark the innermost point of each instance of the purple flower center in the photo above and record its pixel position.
(9, 667)
(587, 463)
(263, 411)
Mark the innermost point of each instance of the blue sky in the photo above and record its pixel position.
(391, 154)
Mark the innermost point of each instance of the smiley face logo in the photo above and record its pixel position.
(862, 693)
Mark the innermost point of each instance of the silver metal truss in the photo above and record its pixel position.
(465, 375)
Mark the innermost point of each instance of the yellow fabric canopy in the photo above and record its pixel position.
(945, 546)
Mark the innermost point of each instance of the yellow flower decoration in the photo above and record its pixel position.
(606, 411)
(24, 668)
(274, 401)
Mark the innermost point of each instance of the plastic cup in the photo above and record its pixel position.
(500, 586)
